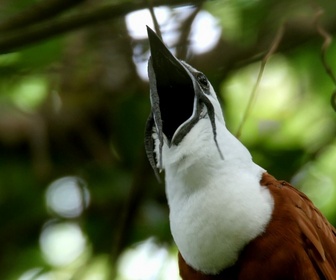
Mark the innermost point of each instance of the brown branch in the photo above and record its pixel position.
(183, 40)
(325, 46)
(33, 34)
(333, 100)
(185, 28)
(326, 43)
(36, 13)
(154, 19)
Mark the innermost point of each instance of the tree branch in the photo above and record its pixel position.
(36, 13)
(272, 50)
(184, 37)
(36, 33)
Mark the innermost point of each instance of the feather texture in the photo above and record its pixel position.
(298, 243)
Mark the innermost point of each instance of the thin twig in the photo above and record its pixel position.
(185, 28)
(326, 43)
(325, 46)
(131, 206)
(265, 59)
(154, 19)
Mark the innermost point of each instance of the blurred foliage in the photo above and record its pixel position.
(73, 110)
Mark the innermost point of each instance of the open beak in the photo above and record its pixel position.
(172, 91)
(176, 100)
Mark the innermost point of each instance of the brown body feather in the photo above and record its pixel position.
(298, 243)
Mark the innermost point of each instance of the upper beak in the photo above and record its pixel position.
(172, 89)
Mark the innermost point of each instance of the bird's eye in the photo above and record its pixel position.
(203, 81)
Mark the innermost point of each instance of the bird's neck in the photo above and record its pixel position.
(216, 205)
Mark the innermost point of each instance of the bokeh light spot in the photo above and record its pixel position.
(62, 243)
(68, 196)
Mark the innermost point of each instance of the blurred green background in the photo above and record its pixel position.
(78, 199)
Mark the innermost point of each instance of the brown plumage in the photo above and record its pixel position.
(298, 243)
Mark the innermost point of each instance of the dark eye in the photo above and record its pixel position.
(203, 81)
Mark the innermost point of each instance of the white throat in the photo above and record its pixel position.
(216, 206)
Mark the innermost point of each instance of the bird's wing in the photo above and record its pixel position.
(318, 236)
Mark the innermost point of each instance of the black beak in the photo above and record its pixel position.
(176, 99)
(172, 89)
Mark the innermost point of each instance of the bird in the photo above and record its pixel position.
(229, 217)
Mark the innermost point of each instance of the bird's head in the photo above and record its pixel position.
(180, 97)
